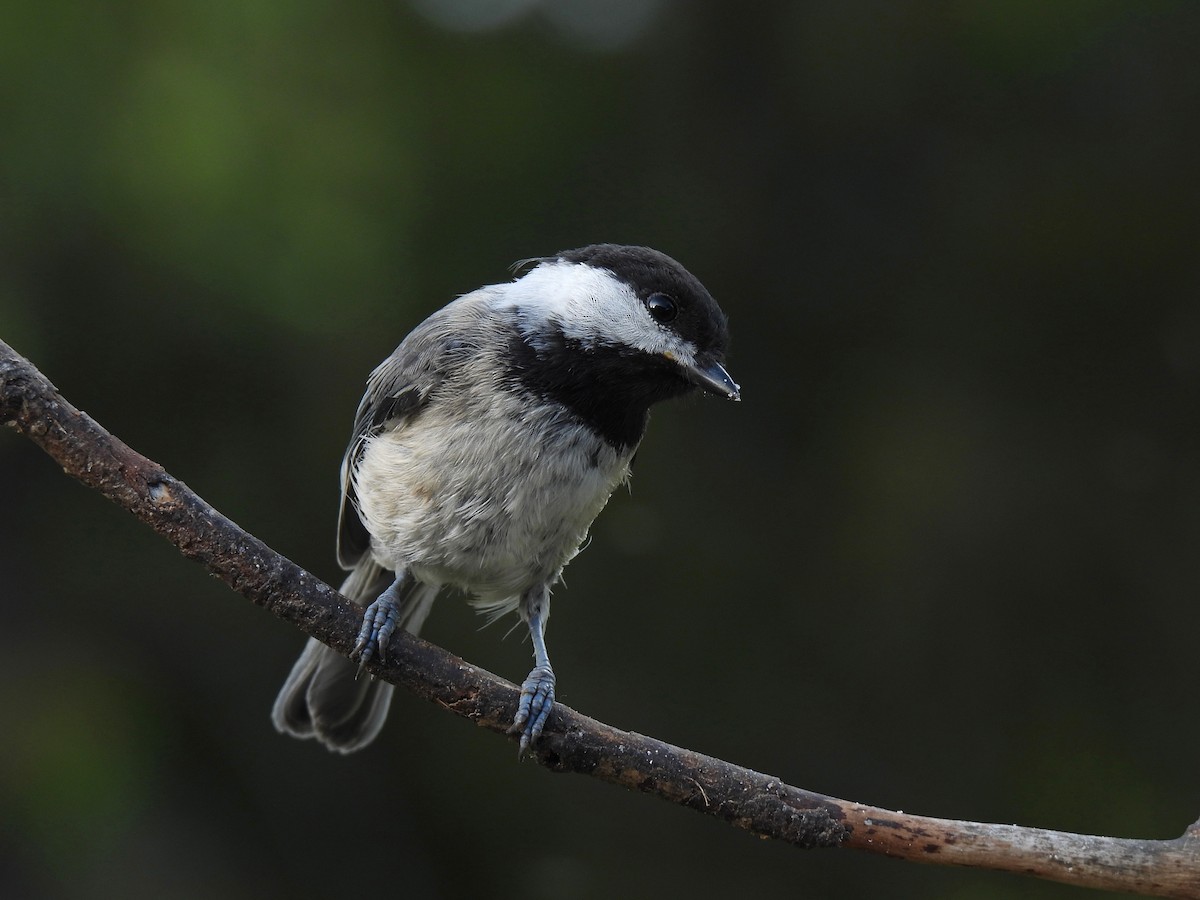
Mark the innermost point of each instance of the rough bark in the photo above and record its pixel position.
(761, 804)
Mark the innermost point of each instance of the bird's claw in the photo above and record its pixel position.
(537, 699)
(379, 621)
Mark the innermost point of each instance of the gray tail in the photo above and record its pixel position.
(323, 697)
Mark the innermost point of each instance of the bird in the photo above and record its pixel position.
(484, 448)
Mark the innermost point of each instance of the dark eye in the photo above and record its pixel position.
(662, 308)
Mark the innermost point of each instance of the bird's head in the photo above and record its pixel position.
(630, 321)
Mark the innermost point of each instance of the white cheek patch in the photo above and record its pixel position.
(591, 306)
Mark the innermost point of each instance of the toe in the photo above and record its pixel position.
(537, 700)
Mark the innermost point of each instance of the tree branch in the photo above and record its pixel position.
(760, 804)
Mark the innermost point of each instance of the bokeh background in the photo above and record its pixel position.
(944, 556)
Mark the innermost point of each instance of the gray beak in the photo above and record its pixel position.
(713, 378)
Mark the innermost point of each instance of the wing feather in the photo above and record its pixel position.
(398, 390)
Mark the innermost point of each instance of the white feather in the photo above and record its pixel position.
(433, 506)
(591, 306)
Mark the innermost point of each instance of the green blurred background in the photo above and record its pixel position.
(942, 558)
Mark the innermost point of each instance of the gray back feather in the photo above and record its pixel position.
(399, 388)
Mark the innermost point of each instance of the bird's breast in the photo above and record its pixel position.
(491, 497)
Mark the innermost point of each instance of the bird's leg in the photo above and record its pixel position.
(379, 621)
(537, 693)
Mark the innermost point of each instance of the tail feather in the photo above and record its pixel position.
(323, 697)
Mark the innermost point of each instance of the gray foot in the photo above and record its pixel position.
(379, 621)
(537, 699)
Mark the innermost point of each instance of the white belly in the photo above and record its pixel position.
(494, 503)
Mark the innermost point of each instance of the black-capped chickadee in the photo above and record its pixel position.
(484, 448)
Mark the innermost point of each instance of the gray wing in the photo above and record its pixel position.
(400, 388)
